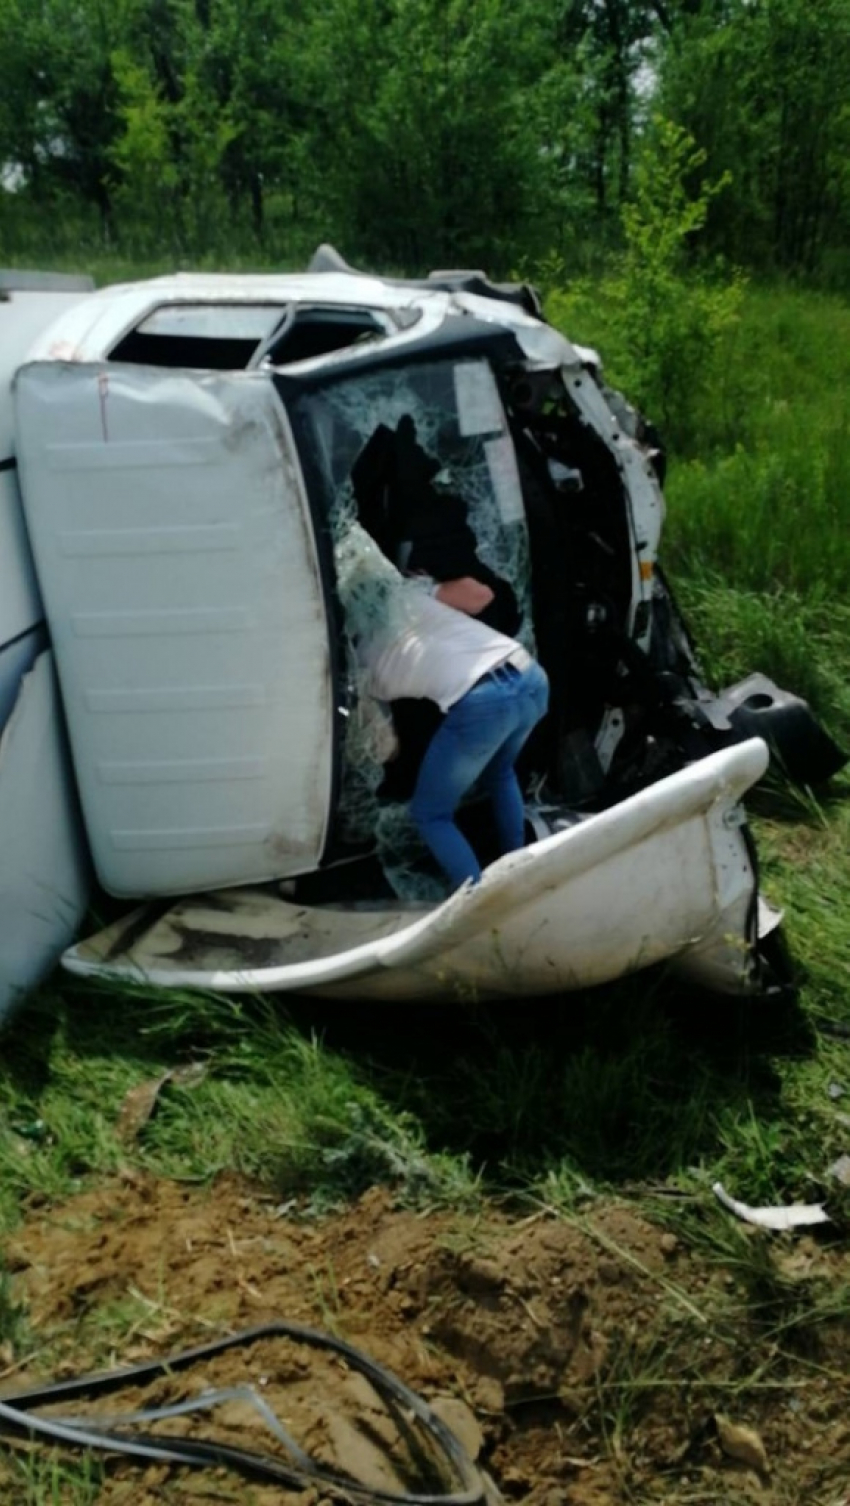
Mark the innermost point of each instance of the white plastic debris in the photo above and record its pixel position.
(840, 1171)
(787, 1216)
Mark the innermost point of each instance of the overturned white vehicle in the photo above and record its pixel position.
(186, 450)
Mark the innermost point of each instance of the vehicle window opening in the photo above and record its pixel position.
(423, 459)
(308, 333)
(219, 337)
(209, 337)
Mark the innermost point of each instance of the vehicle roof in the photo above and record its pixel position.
(92, 327)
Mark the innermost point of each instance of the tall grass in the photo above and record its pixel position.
(763, 499)
(758, 534)
(757, 540)
(769, 511)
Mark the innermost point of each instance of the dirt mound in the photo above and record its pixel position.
(585, 1359)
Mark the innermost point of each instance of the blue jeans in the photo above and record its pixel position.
(480, 739)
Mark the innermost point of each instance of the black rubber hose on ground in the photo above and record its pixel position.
(18, 1416)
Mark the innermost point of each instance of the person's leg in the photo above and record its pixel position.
(498, 780)
(461, 748)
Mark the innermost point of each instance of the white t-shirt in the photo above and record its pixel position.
(438, 653)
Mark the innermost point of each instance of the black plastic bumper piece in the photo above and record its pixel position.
(757, 707)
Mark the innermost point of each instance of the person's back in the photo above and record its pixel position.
(492, 691)
(433, 652)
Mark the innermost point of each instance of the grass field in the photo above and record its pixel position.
(636, 1090)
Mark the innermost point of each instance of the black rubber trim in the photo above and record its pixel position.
(771, 970)
(38, 629)
(16, 1419)
(312, 484)
(752, 921)
(10, 464)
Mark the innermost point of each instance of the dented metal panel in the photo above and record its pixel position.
(16, 658)
(654, 879)
(44, 877)
(179, 568)
(24, 313)
(20, 599)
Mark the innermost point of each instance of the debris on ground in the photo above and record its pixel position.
(782, 1216)
(840, 1171)
(590, 1357)
(741, 1443)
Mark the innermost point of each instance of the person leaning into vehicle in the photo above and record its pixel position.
(416, 638)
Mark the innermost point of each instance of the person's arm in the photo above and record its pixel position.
(465, 594)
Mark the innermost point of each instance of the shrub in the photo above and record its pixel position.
(660, 316)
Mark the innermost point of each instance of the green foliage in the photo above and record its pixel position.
(662, 317)
(417, 133)
(14, 1326)
(764, 88)
(51, 1478)
(436, 160)
(758, 537)
(663, 213)
(169, 150)
(672, 317)
(142, 153)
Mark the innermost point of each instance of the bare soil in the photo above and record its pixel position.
(585, 1361)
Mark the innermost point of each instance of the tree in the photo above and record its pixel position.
(612, 44)
(423, 132)
(664, 314)
(57, 79)
(429, 145)
(764, 85)
(254, 68)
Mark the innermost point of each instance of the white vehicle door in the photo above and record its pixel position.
(179, 568)
(29, 303)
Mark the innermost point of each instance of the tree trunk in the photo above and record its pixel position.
(257, 205)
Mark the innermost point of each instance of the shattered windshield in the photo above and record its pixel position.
(422, 458)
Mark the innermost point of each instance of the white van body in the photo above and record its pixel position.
(182, 445)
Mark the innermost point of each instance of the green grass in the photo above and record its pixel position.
(51, 1478)
(272, 1102)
